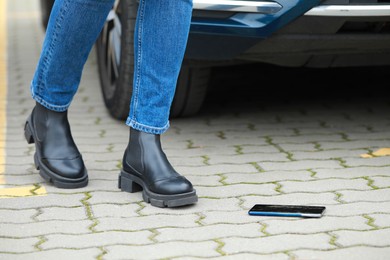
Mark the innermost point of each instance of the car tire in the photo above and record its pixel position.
(46, 6)
(191, 90)
(115, 55)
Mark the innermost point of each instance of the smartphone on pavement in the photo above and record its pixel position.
(287, 210)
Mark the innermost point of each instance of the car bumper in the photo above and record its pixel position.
(265, 7)
(333, 35)
(350, 10)
(262, 18)
(237, 6)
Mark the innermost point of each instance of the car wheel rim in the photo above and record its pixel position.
(110, 44)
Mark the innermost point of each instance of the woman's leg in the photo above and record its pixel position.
(160, 40)
(161, 34)
(73, 28)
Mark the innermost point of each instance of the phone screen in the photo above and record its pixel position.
(287, 210)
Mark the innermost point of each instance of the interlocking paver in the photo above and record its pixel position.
(324, 185)
(312, 226)
(196, 152)
(104, 174)
(98, 197)
(248, 158)
(58, 254)
(147, 222)
(229, 217)
(17, 245)
(376, 161)
(115, 210)
(276, 244)
(328, 154)
(216, 169)
(334, 129)
(209, 232)
(359, 144)
(307, 138)
(294, 147)
(358, 208)
(377, 238)
(248, 149)
(96, 239)
(25, 179)
(212, 180)
(353, 172)
(382, 220)
(300, 165)
(45, 227)
(94, 185)
(163, 250)
(272, 152)
(237, 190)
(378, 135)
(381, 181)
(61, 213)
(63, 200)
(18, 160)
(359, 252)
(205, 205)
(269, 176)
(189, 161)
(380, 195)
(17, 216)
(247, 256)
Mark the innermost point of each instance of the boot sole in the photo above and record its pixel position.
(47, 174)
(130, 183)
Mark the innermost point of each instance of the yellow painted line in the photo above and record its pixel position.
(3, 85)
(380, 152)
(25, 191)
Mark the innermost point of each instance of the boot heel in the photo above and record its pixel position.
(28, 135)
(125, 184)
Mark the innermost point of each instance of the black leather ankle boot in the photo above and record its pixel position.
(146, 168)
(56, 155)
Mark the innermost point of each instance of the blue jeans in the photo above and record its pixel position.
(160, 40)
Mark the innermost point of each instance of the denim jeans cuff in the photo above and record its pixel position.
(145, 128)
(48, 105)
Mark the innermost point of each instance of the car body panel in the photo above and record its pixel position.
(328, 33)
(297, 33)
(259, 25)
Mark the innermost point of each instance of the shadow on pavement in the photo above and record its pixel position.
(244, 88)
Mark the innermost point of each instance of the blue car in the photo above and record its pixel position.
(289, 33)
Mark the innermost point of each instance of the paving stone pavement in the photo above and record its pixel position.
(276, 154)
